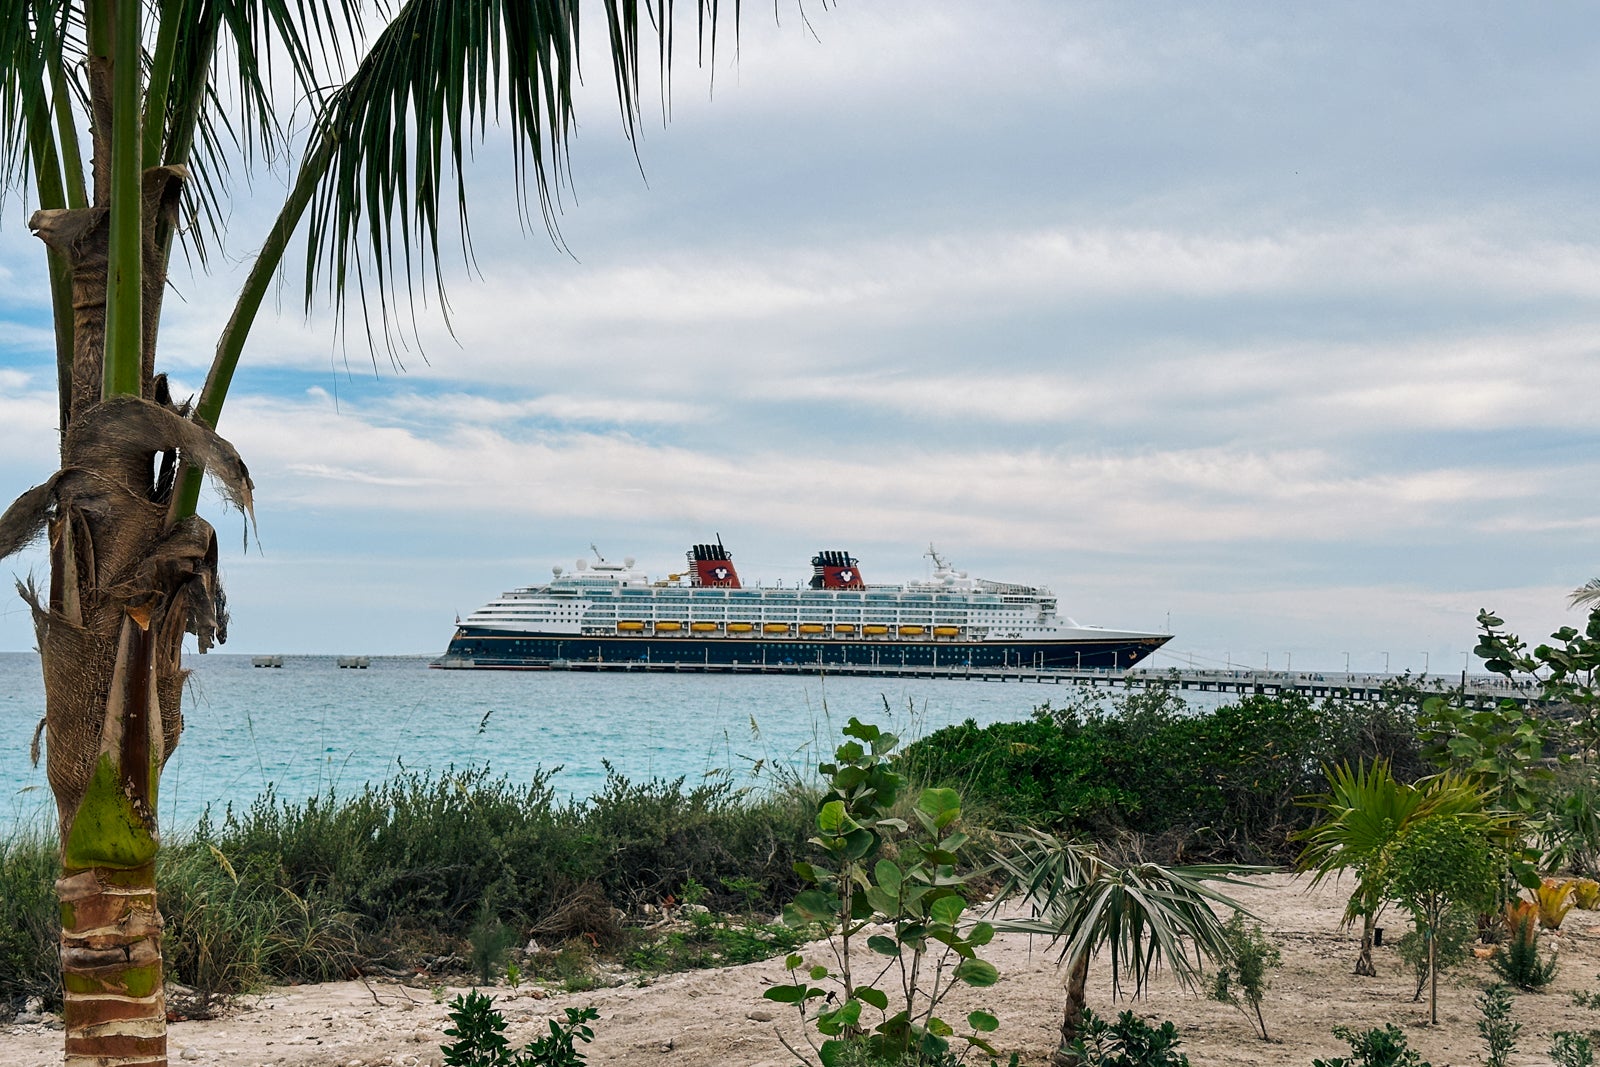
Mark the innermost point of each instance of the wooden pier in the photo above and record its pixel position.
(1314, 684)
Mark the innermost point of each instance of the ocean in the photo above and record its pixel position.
(310, 726)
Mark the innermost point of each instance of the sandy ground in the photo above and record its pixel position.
(706, 1018)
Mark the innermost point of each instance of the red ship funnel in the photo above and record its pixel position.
(710, 565)
(835, 570)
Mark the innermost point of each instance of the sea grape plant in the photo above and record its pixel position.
(911, 896)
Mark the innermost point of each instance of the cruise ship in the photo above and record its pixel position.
(607, 615)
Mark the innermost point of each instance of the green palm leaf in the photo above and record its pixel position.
(1144, 914)
(399, 130)
(1586, 595)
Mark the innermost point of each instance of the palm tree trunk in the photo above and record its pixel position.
(1364, 965)
(110, 926)
(124, 589)
(126, 584)
(1072, 1019)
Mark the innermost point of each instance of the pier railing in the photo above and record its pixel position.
(1314, 684)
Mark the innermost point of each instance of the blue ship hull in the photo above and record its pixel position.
(512, 650)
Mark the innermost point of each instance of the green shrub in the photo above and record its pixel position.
(874, 869)
(1128, 1042)
(1374, 1048)
(1243, 977)
(406, 870)
(490, 939)
(216, 929)
(1498, 1031)
(1518, 961)
(1571, 1049)
(1220, 783)
(479, 1031)
(1572, 833)
(1437, 863)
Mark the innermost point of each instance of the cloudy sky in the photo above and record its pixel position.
(1276, 321)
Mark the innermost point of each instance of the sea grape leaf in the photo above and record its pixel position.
(888, 874)
(786, 994)
(982, 1022)
(947, 910)
(884, 946)
(874, 996)
(942, 805)
(975, 972)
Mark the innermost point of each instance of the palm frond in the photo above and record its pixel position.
(25, 64)
(1366, 806)
(1585, 595)
(212, 116)
(424, 94)
(1146, 915)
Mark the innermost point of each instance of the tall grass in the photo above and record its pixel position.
(400, 871)
(30, 925)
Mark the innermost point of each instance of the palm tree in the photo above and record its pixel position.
(121, 119)
(1144, 913)
(1364, 812)
(1586, 595)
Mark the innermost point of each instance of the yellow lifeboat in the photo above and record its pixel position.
(874, 631)
(668, 627)
(775, 628)
(812, 628)
(702, 627)
(844, 628)
(946, 631)
(911, 631)
(630, 627)
(740, 627)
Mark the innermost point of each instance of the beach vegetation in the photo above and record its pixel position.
(1518, 961)
(875, 871)
(1554, 898)
(1129, 1041)
(1174, 782)
(30, 928)
(1449, 946)
(1145, 915)
(395, 878)
(1569, 1048)
(1437, 862)
(129, 126)
(1362, 814)
(1495, 1026)
(479, 1031)
(1378, 1047)
(1244, 974)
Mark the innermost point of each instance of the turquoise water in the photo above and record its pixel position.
(311, 726)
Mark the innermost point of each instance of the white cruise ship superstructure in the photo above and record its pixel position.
(604, 613)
